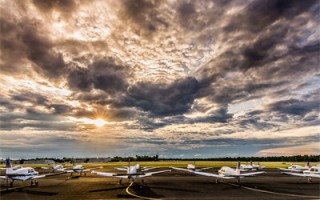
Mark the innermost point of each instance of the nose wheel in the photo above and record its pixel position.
(34, 183)
(11, 183)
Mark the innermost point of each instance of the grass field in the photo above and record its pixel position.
(215, 164)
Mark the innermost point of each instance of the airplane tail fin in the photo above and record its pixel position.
(8, 166)
(238, 168)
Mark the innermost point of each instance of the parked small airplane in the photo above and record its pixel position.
(22, 174)
(131, 175)
(226, 173)
(137, 166)
(78, 169)
(251, 167)
(297, 168)
(54, 168)
(313, 172)
(191, 167)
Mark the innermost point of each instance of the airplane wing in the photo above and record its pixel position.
(181, 169)
(104, 174)
(69, 171)
(198, 170)
(250, 174)
(121, 168)
(45, 168)
(302, 175)
(148, 168)
(290, 170)
(152, 173)
(39, 176)
(212, 175)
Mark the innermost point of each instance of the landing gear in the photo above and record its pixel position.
(120, 182)
(217, 181)
(238, 180)
(85, 174)
(11, 183)
(309, 180)
(142, 181)
(34, 183)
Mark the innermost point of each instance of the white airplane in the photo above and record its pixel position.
(191, 167)
(22, 174)
(78, 169)
(131, 175)
(251, 167)
(226, 173)
(137, 166)
(54, 168)
(297, 168)
(313, 172)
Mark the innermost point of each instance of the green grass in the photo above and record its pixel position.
(215, 164)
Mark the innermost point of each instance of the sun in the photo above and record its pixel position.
(99, 122)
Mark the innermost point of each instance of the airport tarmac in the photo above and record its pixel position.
(171, 185)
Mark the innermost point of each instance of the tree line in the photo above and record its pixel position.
(297, 158)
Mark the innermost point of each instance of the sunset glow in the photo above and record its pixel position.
(175, 78)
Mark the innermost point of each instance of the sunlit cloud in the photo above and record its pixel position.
(308, 149)
(169, 77)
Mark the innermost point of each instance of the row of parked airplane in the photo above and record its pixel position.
(136, 171)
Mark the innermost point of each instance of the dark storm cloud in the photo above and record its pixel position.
(294, 106)
(238, 141)
(260, 14)
(172, 99)
(256, 123)
(39, 100)
(220, 115)
(23, 40)
(104, 74)
(65, 6)
(196, 15)
(224, 94)
(261, 51)
(144, 15)
(30, 97)
(33, 119)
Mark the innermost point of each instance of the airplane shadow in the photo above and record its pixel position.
(171, 189)
(43, 193)
(108, 189)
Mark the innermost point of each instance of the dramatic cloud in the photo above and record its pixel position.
(183, 77)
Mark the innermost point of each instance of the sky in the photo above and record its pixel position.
(177, 78)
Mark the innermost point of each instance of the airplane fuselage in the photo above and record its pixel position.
(298, 168)
(228, 171)
(23, 173)
(78, 169)
(313, 170)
